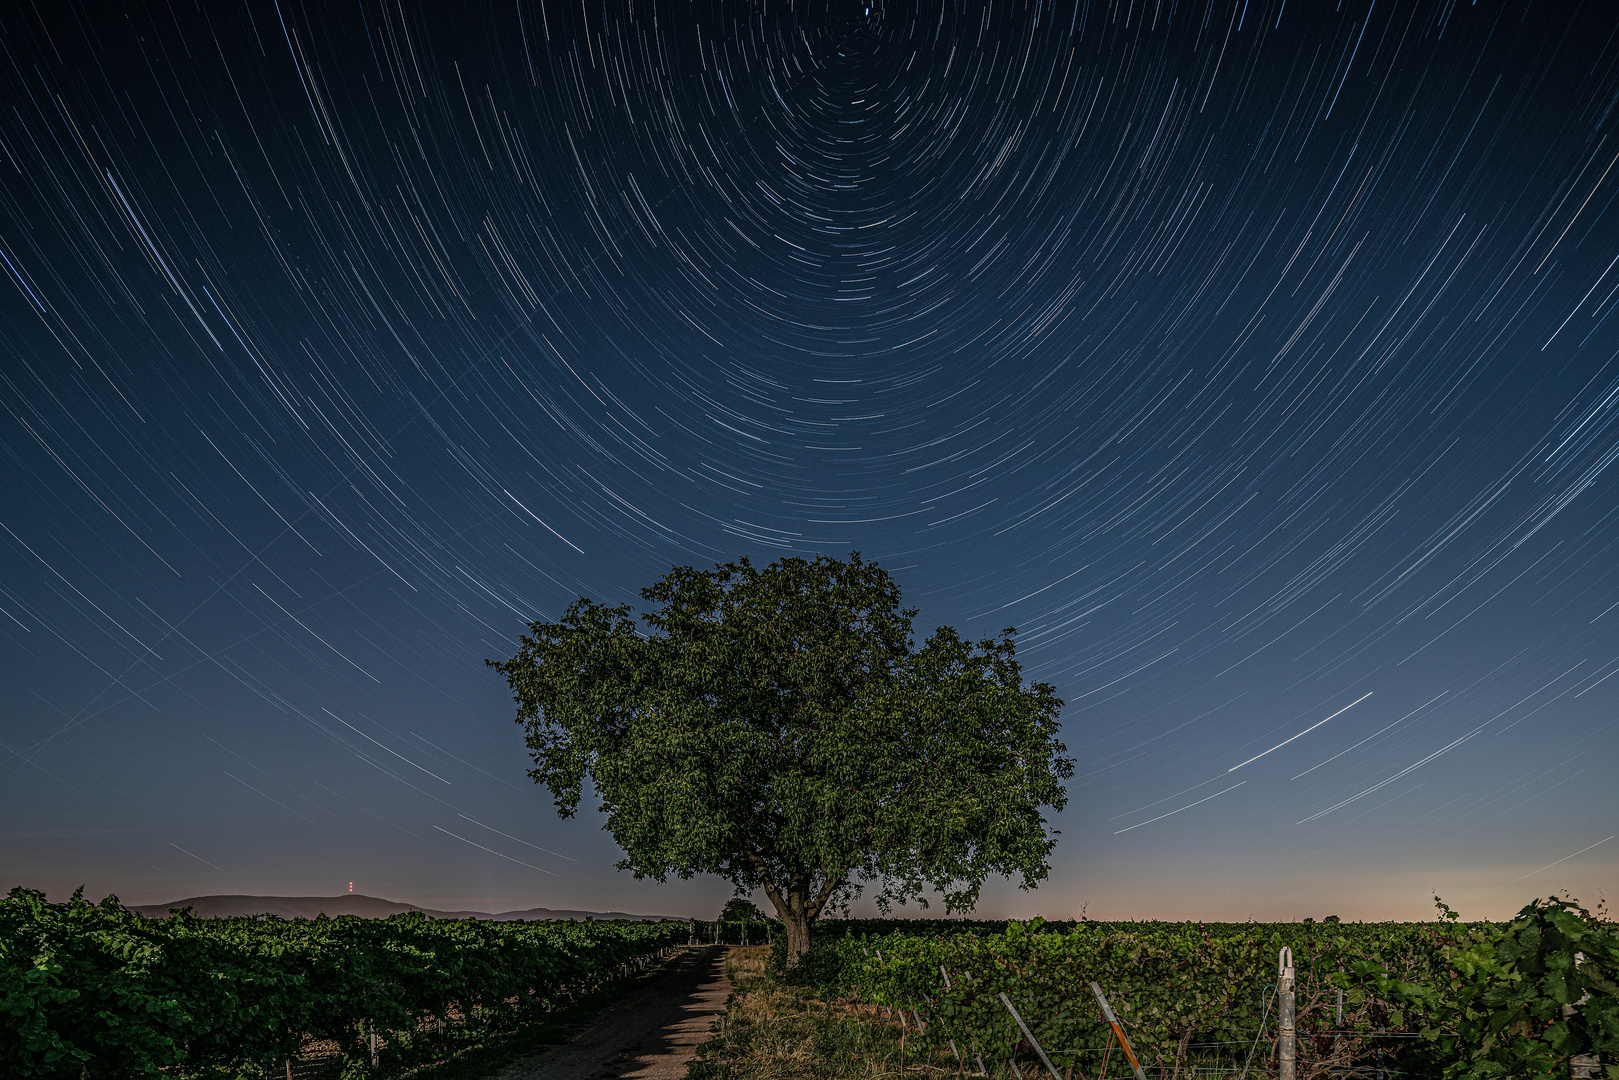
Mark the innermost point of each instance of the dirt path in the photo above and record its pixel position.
(649, 1034)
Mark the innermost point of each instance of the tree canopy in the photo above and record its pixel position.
(782, 729)
(741, 909)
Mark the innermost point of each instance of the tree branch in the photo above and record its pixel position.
(831, 886)
(764, 879)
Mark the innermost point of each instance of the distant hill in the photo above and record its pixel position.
(369, 907)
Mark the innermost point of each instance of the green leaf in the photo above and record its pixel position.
(781, 728)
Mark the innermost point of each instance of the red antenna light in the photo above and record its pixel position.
(351, 886)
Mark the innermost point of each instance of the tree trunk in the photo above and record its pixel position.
(797, 910)
(797, 927)
(793, 909)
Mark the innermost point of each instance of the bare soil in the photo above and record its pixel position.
(648, 1034)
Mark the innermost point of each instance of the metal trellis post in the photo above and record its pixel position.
(1027, 1034)
(1118, 1031)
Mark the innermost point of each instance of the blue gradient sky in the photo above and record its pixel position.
(1255, 361)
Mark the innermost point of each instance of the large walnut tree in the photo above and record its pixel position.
(781, 728)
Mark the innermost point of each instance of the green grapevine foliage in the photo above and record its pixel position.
(1181, 990)
(94, 990)
(1520, 1000)
(1467, 1001)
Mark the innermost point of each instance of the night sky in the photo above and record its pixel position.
(1256, 360)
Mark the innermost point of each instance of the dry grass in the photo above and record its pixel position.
(776, 1032)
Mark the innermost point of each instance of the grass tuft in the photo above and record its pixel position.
(771, 1031)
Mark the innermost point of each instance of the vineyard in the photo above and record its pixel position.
(93, 990)
(1438, 999)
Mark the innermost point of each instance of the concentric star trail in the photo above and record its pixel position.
(1251, 358)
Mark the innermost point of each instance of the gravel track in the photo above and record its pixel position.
(649, 1034)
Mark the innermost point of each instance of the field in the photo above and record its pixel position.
(1193, 998)
(94, 990)
(1436, 999)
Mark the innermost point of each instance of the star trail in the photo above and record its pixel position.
(1255, 360)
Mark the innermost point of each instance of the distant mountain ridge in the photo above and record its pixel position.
(368, 907)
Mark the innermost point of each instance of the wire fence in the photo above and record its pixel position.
(1289, 1043)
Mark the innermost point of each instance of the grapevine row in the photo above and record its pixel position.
(1538, 996)
(1183, 991)
(94, 990)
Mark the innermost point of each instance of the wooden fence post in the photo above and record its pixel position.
(1582, 1066)
(1286, 1050)
(1338, 1018)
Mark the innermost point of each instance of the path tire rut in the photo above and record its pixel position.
(649, 1034)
